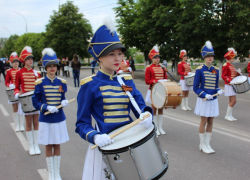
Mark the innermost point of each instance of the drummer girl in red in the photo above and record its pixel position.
(248, 70)
(155, 73)
(228, 73)
(25, 82)
(10, 82)
(184, 70)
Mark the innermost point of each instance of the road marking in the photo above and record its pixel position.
(214, 129)
(5, 112)
(43, 173)
(243, 100)
(21, 137)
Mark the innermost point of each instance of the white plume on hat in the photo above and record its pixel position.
(232, 49)
(209, 45)
(156, 48)
(48, 51)
(183, 50)
(28, 48)
(13, 54)
(109, 23)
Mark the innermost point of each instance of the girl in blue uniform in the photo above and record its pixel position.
(205, 85)
(101, 97)
(49, 93)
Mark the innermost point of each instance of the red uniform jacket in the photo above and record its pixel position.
(183, 69)
(153, 74)
(124, 66)
(11, 76)
(26, 79)
(228, 72)
(248, 68)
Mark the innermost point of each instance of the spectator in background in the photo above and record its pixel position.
(2, 69)
(132, 65)
(93, 64)
(59, 66)
(76, 66)
(173, 65)
(165, 63)
(63, 63)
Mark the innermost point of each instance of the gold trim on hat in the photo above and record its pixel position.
(90, 45)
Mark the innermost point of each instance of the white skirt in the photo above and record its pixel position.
(229, 90)
(53, 133)
(12, 102)
(20, 111)
(94, 165)
(148, 97)
(184, 87)
(207, 108)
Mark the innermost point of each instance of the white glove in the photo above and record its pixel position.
(209, 96)
(16, 96)
(146, 123)
(11, 86)
(120, 72)
(190, 73)
(239, 71)
(64, 103)
(52, 109)
(102, 140)
(130, 69)
(163, 80)
(220, 92)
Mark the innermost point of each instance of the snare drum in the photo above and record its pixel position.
(166, 94)
(189, 79)
(136, 154)
(240, 84)
(26, 102)
(11, 95)
(66, 68)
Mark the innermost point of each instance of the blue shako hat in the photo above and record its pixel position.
(207, 49)
(105, 40)
(49, 57)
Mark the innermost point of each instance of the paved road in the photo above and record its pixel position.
(231, 141)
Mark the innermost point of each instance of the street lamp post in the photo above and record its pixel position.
(24, 19)
(6, 30)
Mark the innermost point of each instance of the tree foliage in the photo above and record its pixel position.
(9, 46)
(68, 32)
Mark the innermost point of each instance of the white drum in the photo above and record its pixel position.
(189, 79)
(26, 102)
(66, 68)
(136, 154)
(240, 84)
(10, 94)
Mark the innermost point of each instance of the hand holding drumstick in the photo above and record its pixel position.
(58, 107)
(208, 96)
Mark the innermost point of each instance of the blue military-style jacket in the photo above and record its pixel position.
(102, 97)
(206, 81)
(49, 92)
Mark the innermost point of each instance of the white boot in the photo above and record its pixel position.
(29, 135)
(57, 160)
(160, 119)
(231, 112)
(36, 146)
(183, 104)
(16, 120)
(228, 117)
(156, 125)
(203, 146)
(207, 141)
(22, 120)
(50, 165)
(186, 102)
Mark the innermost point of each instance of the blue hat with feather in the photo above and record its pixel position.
(49, 57)
(207, 49)
(105, 40)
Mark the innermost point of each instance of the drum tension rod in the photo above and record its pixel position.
(169, 94)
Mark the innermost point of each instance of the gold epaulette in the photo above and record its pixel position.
(148, 65)
(224, 64)
(179, 62)
(87, 79)
(63, 80)
(216, 67)
(127, 77)
(199, 67)
(248, 62)
(8, 70)
(39, 81)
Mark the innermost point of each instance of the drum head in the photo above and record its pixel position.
(9, 89)
(27, 94)
(191, 75)
(158, 95)
(128, 137)
(238, 79)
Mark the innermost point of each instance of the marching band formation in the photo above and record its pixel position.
(107, 98)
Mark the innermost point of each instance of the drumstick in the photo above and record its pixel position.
(125, 128)
(60, 106)
(213, 95)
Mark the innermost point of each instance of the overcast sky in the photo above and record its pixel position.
(38, 12)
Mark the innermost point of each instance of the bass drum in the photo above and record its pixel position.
(166, 94)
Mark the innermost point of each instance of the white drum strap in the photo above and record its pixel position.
(134, 103)
(35, 73)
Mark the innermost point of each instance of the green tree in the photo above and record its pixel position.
(68, 32)
(9, 46)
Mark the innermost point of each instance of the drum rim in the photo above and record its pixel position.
(166, 97)
(164, 170)
(239, 76)
(189, 76)
(131, 146)
(25, 94)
